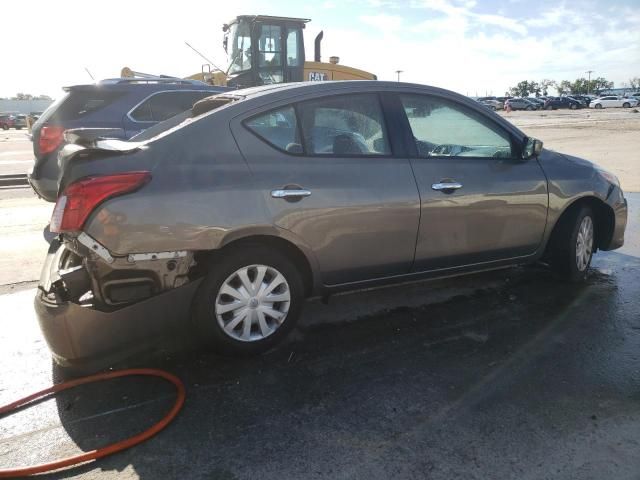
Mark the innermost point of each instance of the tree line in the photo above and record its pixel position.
(580, 86)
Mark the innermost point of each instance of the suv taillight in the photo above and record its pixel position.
(50, 138)
(81, 197)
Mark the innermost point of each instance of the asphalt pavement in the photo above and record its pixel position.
(16, 151)
(504, 375)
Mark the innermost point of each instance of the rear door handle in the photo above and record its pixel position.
(446, 186)
(290, 194)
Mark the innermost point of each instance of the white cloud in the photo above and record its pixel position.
(452, 10)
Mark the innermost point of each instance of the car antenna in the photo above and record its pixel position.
(87, 70)
(208, 61)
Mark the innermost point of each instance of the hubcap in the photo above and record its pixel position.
(252, 303)
(584, 244)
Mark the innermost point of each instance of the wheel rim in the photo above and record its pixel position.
(584, 244)
(252, 303)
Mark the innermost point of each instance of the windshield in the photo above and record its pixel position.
(239, 47)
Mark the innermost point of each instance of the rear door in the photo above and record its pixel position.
(480, 202)
(333, 173)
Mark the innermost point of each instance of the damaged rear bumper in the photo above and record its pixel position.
(83, 335)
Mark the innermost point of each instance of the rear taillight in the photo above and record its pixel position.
(50, 138)
(81, 197)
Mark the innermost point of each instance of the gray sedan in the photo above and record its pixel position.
(225, 220)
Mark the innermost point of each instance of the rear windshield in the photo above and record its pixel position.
(79, 103)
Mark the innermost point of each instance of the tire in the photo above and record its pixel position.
(573, 106)
(626, 105)
(5, 127)
(573, 246)
(598, 106)
(529, 108)
(265, 329)
(549, 107)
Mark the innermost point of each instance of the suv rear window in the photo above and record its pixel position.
(81, 102)
(164, 105)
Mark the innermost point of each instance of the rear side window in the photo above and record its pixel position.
(164, 105)
(344, 125)
(80, 103)
(278, 128)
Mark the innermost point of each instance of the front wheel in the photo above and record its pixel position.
(5, 127)
(249, 301)
(529, 108)
(574, 244)
(573, 106)
(598, 106)
(626, 105)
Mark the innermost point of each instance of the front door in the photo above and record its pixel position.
(330, 177)
(479, 202)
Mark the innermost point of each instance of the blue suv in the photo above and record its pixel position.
(115, 108)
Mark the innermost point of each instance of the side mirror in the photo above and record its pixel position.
(532, 148)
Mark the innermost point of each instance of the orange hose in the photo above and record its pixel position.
(104, 451)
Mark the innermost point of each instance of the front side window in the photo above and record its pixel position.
(240, 51)
(278, 128)
(442, 128)
(344, 125)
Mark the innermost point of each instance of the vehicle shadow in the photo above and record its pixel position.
(375, 390)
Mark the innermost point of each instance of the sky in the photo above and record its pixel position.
(475, 47)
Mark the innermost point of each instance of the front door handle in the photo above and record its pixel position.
(290, 194)
(446, 186)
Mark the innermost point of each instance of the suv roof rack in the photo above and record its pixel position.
(150, 79)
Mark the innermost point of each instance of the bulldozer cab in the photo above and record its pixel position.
(263, 49)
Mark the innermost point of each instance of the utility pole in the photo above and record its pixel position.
(399, 72)
(589, 81)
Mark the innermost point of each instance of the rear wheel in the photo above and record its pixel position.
(5, 127)
(249, 301)
(598, 105)
(626, 105)
(574, 244)
(529, 108)
(573, 106)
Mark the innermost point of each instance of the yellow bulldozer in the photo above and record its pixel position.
(263, 49)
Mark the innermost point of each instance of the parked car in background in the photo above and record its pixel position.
(492, 104)
(117, 108)
(20, 122)
(613, 101)
(554, 103)
(538, 102)
(584, 99)
(521, 104)
(11, 120)
(225, 222)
